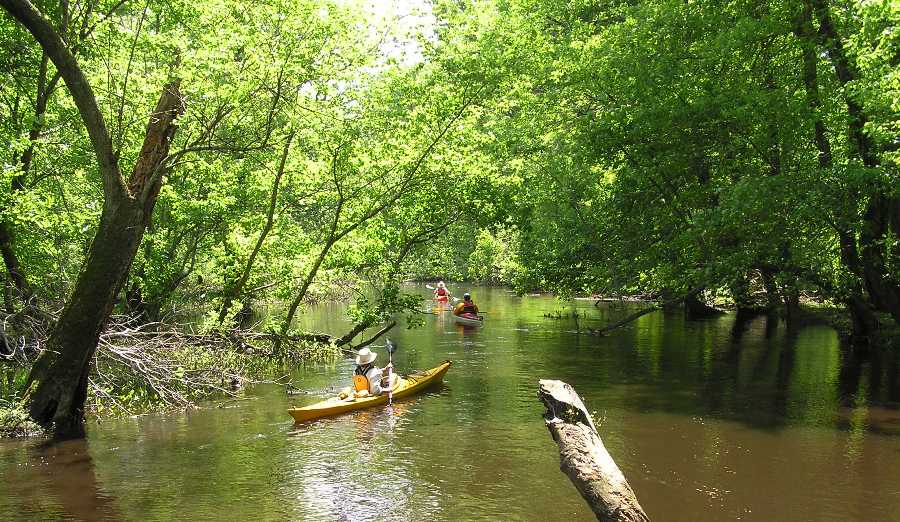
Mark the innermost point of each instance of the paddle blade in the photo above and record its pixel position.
(391, 347)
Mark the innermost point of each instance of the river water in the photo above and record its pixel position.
(709, 421)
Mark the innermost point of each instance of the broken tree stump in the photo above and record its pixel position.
(584, 459)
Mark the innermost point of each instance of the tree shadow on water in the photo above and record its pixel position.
(63, 473)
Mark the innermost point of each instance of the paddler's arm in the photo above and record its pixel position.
(384, 384)
(375, 375)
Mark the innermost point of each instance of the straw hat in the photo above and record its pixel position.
(365, 356)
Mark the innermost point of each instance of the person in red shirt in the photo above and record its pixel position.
(442, 293)
(466, 306)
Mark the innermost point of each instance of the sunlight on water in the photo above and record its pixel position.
(709, 420)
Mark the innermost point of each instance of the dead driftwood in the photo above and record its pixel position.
(584, 459)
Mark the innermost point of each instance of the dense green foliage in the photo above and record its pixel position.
(744, 148)
(308, 156)
(15, 422)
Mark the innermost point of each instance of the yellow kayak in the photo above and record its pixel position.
(409, 385)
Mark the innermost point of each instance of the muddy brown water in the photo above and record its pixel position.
(709, 420)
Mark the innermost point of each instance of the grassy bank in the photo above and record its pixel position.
(15, 423)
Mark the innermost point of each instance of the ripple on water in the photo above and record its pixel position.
(708, 422)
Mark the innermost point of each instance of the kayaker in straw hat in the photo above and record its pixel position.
(442, 293)
(368, 379)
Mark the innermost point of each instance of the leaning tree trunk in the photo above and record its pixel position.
(236, 291)
(57, 386)
(584, 459)
(58, 382)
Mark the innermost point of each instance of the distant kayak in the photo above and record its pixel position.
(408, 385)
(469, 319)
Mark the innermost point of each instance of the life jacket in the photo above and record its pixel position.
(360, 381)
(469, 308)
(441, 291)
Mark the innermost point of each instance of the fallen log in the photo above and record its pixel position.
(645, 311)
(584, 459)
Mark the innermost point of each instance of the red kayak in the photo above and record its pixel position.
(469, 319)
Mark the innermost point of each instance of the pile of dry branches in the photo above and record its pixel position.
(140, 366)
(22, 335)
(158, 363)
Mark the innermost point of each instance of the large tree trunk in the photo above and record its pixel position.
(58, 382)
(864, 322)
(57, 385)
(884, 290)
(584, 459)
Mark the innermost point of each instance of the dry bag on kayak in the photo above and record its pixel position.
(360, 383)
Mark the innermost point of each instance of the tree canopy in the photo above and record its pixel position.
(739, 149)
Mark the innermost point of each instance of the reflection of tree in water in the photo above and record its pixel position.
(723, 379)
(786, 357)
(868, 391)
(66, 475)
(757, 372)
(743, 322)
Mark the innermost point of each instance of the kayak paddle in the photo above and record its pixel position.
(391, 348)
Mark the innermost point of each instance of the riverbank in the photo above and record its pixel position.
(811, 312)
(15, 423)
(140, 369)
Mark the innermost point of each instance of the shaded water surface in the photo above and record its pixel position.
(708, 419)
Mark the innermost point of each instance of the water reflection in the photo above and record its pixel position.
(360, 472)
(57, 479)
(710, 420)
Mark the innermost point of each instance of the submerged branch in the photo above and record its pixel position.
(641, 313)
